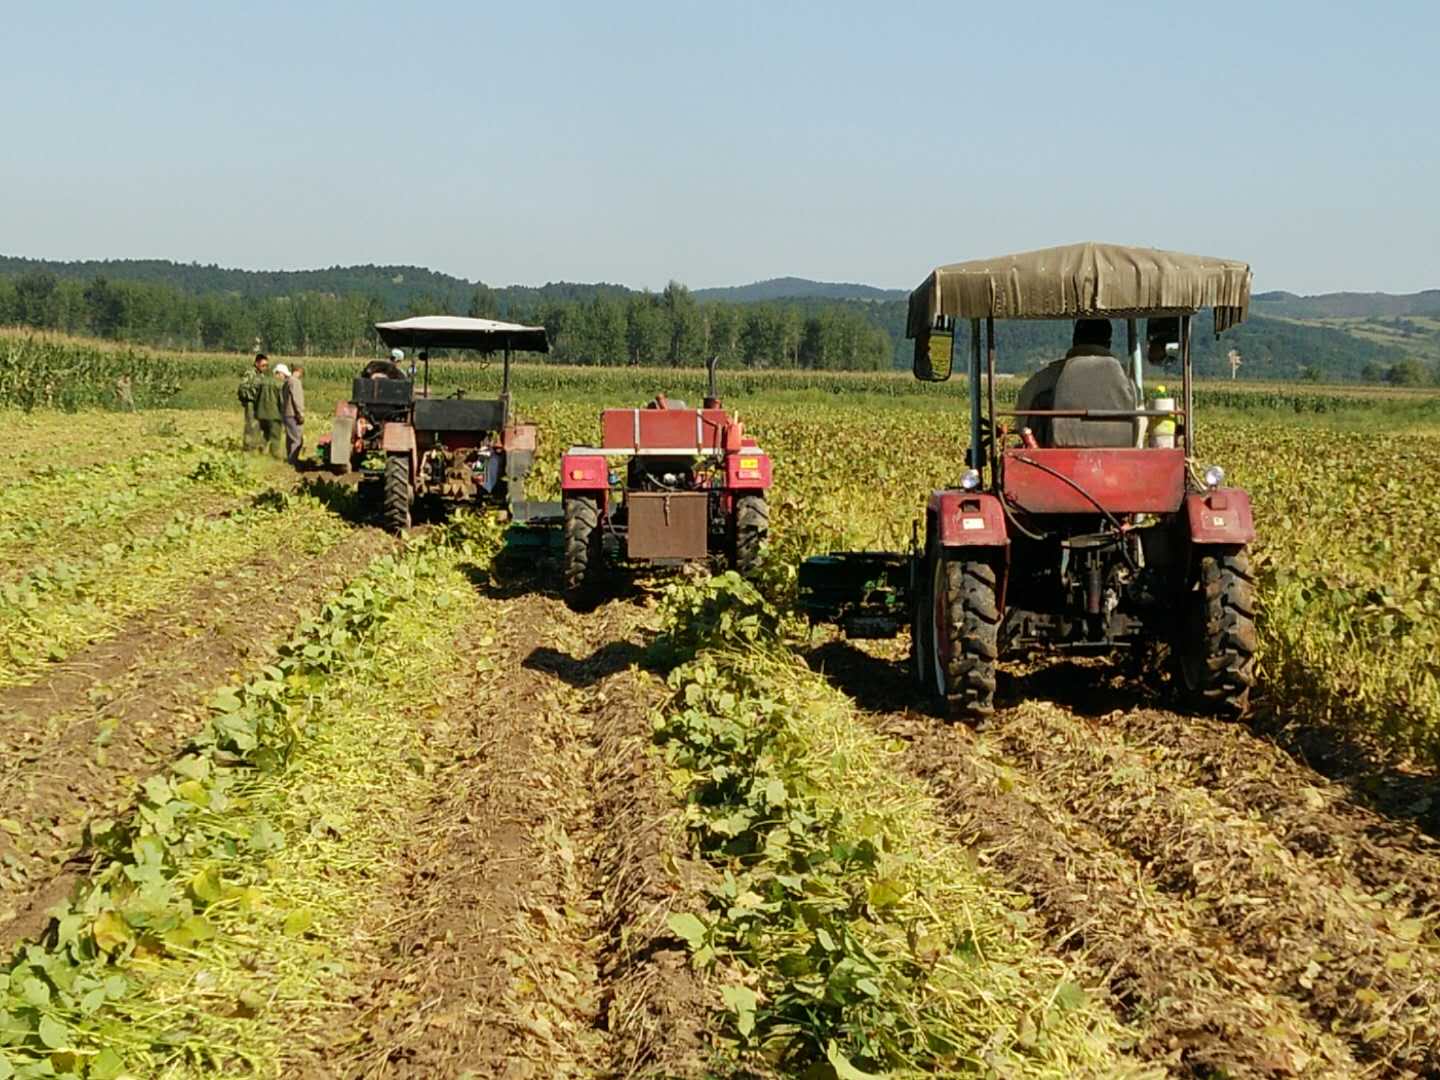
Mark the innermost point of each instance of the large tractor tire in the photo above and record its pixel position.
(752, 528)
(584, 554)
(1216, 652)
(398, 493)
(965, 636)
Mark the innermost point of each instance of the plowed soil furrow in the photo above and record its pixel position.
(1203, 1008)
(75, 745)
(512, 946)
(1361, 968)
(1312, 815)
(1196, 868)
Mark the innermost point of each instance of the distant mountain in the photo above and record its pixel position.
(398, 287)
(794, 288)
(1347, 305)
(1337, 335)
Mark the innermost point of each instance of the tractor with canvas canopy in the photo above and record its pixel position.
(412, 447)
(1083, 519)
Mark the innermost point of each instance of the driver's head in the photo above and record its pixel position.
(1094, 332)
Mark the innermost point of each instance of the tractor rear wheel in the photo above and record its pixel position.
(583, 552)
(752, 527)
(398, 493)
(1216, 654)
(966, 622)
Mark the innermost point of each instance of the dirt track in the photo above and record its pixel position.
(526, 936)
(1244, 913)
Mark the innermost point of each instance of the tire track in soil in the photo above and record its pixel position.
(1205, 976)
(1357, 964)
(76, 744)
(1310, 813)
(526, 936)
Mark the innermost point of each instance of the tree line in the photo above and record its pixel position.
(610, 327)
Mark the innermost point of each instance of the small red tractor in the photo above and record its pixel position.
(694, 486)
(412, 448)
(1076, 529)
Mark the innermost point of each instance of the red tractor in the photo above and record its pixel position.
(1083, 520)
(694, 486)
(413, 448)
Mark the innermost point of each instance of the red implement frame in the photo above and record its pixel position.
(692, 430)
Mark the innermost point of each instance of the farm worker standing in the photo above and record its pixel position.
(249, 393)
(267, 410)
(292, 411)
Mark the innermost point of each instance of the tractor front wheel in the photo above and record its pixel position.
(398, 493)
(752, 527)
(964, 642)
(583, 552)
(1216, 653)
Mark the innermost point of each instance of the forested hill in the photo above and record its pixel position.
(781, 322)
(398, 288)
(1347, 305)
(793, 288)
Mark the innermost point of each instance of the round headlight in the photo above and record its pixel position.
(970, 480)
(1214, 476)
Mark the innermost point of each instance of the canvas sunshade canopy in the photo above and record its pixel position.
(1083, 281)
(458, 332)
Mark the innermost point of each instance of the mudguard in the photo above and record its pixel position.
(1221, 516)
(342, 440)
(748, 470)
(397, 438)
(968, 519)
(584, 472)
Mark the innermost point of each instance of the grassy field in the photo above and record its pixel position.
(289, 797)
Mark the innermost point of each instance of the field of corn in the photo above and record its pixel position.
(286, 797)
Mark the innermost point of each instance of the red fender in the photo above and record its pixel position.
(968, 519)
(584, 472)
(1221, 516)
(396, 438)
(748, 470)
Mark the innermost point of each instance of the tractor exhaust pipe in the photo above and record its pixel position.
(712, 397)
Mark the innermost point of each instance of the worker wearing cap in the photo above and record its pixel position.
(292, 413)
(248, 393)
(268, 411)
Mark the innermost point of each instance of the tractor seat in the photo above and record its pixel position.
(1093, 382)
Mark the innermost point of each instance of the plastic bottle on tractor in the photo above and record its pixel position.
(1162, 430)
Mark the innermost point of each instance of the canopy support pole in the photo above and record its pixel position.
(505, 373)
(1132, 340)
(1189, 386)
(990, 389)
(975, 459)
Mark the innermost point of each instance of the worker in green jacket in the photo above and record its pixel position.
(249, 394)
(268, 414)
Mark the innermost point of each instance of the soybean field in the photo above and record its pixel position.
(287, 796)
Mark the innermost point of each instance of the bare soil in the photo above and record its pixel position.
(1246, 915)
(75, 746)
(526, 934)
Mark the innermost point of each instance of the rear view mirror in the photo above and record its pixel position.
(934, 354)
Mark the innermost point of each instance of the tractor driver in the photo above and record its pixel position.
(385, 369)
(1089, 382)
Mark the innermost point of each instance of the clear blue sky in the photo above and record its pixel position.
(721, 143)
